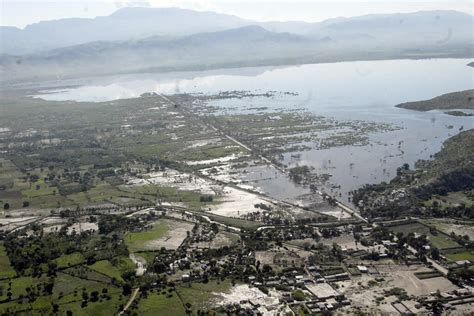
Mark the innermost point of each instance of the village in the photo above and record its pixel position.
(215, 223)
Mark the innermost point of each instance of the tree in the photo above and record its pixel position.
(437, 307)
(435, 253)
(126, 289)
(215, 228)
(6, 206)
(94, 296)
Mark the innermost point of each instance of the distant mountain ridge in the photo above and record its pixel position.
(139, 23)
(415, 35)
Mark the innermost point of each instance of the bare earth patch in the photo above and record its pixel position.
(235, 203)
(173, 238)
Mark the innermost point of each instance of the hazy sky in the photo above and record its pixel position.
(23, 12)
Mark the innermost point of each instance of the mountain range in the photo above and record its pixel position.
(151, 39)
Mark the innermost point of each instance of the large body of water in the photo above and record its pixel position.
(366, 90)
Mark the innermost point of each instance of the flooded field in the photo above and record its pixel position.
(354, 92)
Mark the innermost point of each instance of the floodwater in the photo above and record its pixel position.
(365, 90)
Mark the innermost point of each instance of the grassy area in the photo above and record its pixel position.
(210, 152)
(69, 260)
(159, 304)
(68, 294)
(449, 226)
(169, 194)
(438, 239)
(410, 228)
(199, 295)
(332, 270)
(136, 241)
(149, 256)
(428, 275)
(451, 199)
(442, 241)
(6, 270)
(114, 268)
(459, 256)
(19, 285)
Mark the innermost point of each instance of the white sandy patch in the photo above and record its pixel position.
(173, 178)
(53, 220)
(234, 203)
(221, 173)
(205, 142)
(173, 238)
(414, 286)
(243, 292)
(52, 229)
(12, 220)
(82, 227)
(140, 263)
(215, 161)
(250, 187)
(322, 290)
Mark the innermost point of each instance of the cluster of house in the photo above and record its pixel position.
(321, 296)
(453, 298)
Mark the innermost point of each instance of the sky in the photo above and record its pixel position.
(20, 13)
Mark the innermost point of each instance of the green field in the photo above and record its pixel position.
(149, 256)
(19, 285)
(68, 294)
(136, 241)
(451, 199)
(159, 304)
(459, 256)
(114, 268)
(442, 241)
(69, 260)
(428, 275)
(234, 222)
(438, 240)
(200, 295)
(6, 270)
(170, 194)
(410, 228)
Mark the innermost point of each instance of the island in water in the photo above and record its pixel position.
(449, 101)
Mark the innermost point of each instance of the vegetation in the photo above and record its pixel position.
(416, 192)
(137, 240)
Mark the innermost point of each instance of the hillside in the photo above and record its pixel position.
(454, 100)
(440, 187)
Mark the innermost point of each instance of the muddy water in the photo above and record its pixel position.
(345, 91)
